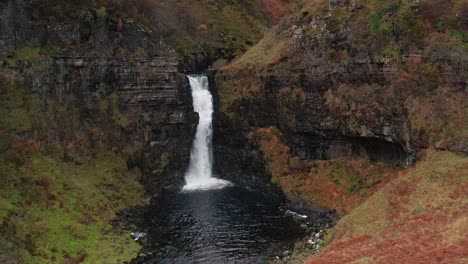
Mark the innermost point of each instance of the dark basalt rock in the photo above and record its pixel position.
(100, 56)
(313, 64)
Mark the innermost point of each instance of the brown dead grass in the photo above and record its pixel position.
(275, 152)
(267, 52)
(415, 215)
(415, 218)
(276, 8)
(341, 184)
(243, 85)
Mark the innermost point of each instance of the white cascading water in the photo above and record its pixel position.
(199, 174)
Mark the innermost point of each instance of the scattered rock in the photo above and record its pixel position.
(138, 235)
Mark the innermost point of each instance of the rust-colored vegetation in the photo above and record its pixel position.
(418, 217)
(277, 8)
(340, 184)
(414, 215)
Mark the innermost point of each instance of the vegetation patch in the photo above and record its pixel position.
(243, 85)
(418, 210)
(58, 190)
(340, 184)
(58, 210)
(267, 52)
(199, 29)
(23, 55)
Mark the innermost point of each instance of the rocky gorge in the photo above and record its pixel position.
(339, 105)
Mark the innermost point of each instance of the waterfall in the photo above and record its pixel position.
(199, 174)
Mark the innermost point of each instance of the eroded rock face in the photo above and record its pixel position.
(153, 96)
(96, 58)
(336, 90)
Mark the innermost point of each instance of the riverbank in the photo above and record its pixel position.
(417, 216)
(49, 218)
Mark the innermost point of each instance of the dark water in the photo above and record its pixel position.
(231, 225)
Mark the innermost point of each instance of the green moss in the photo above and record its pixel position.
(440, 24)
(390, 20)
(55, 205)
(66, 207)
(450, 133)
(393, 52)
(14, 115)
(7, 203)
(412, 24)
(27, 54)
(377, 22)
(101, 11)
(462, 36)
(327, 238)
(160, 165)
(346, 178)
(11, 62)
(119, 119)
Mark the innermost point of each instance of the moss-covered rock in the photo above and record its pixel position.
(58, 196)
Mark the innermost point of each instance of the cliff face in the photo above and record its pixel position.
(348, 78)
(89, 90)
(339, 87)
(204, 32)
(100, 63)
(156, 123)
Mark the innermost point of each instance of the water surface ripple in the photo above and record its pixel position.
(229, 225)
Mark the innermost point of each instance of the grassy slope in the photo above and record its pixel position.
(273, 46)
(205, 28)
(390, 214)
(419, 217)
(57, 207)
(372, 26)
(62, 211)
(231, 26)
(269, 50)
(220, 28)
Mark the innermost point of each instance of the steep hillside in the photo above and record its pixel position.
(394, 71)
(338, 100)
(60, 187)
(354, 78)
(419, 217)
(203, 31)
